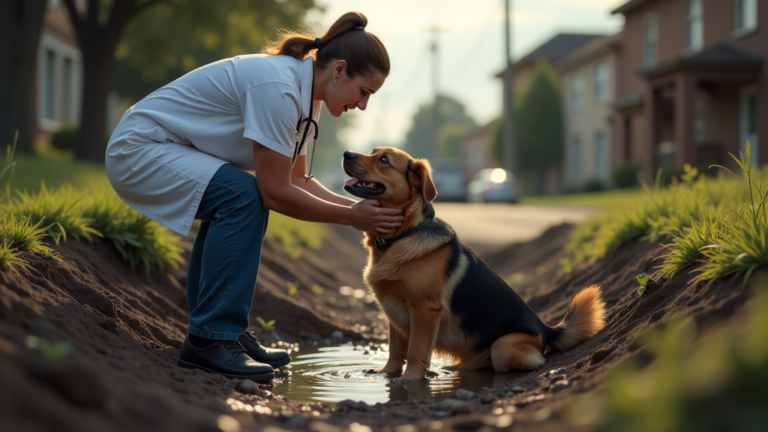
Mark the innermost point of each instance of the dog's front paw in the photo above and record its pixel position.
(412, 374)
(389, 370)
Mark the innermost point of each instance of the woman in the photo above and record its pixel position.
(180, 154)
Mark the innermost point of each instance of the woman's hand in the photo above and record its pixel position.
(368, 216)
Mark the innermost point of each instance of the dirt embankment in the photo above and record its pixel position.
(126, 329)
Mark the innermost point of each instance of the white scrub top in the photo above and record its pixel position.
(167, 147)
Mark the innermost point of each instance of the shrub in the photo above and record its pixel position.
(65, 138)
(591, 185)
(625, 175)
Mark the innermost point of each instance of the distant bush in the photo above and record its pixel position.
(65, 138)
(593, 184)
(625, 175)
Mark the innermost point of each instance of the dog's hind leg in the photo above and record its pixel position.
(517, 351)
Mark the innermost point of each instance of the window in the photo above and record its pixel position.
(601, 82)
(49, 110)
(650, 40)
(599, 154)
(575, 159)
(695, 26)
(577, 90)
(745, 16)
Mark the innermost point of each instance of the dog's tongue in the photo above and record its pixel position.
(351, 182)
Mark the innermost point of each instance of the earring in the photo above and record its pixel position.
(334, 81)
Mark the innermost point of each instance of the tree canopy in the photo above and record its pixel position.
(418, 140)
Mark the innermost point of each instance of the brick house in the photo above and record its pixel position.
(691, 77)
(588, 77)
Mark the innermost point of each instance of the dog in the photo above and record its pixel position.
(437, 294)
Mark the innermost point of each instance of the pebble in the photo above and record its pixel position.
(560, 371)
(337, 334)
(247, 386)
(510, 394)
(560, 385)
(447, 404)
(265, 394)
(366, 352)
(296, 420)
(346, 405)
(442, 414)
(468, 425)
(558, 378)
(517, 389)
(488, 398)
(462, 408)
(347, 375)
(463, 394)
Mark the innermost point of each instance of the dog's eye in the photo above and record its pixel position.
(384, 159)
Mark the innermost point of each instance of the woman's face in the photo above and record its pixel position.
(350, 93)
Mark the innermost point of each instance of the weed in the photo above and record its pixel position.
(265, 325)
(292, 289)
(51, 351)
(317, 289)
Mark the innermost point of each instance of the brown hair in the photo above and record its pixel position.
(345, 40)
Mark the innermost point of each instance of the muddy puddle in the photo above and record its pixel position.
(331, 374)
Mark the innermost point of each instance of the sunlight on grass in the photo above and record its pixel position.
(598, 200)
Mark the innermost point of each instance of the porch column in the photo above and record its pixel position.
(685, 96)
(648, 134)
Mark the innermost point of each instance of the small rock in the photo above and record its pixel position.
(362, 406)
(247, 386)
(265, 394)
(468, 425)
(346, 405)
(447, 404)
(554, 372)
(560, 385)
(488, 398)
(557, 378)
(509, 394)
(517, 389)
(462, 408)
(366, 352)
(462, 394)
(337, 334)
(297, 420)
(413, 402)
(442, 414)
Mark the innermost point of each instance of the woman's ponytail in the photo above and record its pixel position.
(346, 40)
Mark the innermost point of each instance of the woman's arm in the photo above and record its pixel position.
(278, 193)
(315, 187)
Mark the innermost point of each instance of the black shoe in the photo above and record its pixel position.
(227, 358)
(273, 357)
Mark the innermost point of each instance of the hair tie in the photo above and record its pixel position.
(360, 28)
(317, 42)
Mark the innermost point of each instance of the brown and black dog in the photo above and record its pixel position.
(437, 294)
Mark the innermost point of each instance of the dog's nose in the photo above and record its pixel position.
(348, 155)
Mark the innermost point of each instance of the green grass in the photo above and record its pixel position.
(719, 222)
(54, 196)
(599, 200)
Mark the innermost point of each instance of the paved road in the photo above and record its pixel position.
(485, 226)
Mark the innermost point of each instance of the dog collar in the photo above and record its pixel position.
(383, 244)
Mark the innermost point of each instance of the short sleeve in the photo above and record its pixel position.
(270, 113)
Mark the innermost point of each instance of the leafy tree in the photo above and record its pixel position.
(21, 22)
(418, 140)
(449, 140)
(169, 37)
(538, 126)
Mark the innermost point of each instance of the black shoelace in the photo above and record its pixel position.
(234, 348)
(251, 336)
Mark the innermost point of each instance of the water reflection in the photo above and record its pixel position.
(332, 374)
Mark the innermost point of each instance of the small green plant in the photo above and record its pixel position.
(292, 289)
(643, 280)
(66, 137)
(265, 325)
(565, 265)
(317, 289)
(51, 351)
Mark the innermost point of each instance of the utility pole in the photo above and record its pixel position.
(509, 153)
(435, 29)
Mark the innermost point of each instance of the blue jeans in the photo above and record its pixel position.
(221, 278)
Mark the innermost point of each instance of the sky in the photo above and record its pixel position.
(471, 52)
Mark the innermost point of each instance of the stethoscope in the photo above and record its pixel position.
(298, 146)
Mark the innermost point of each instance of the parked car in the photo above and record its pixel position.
(494, 185)
(448, 176)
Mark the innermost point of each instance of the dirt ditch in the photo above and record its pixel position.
(126, 328)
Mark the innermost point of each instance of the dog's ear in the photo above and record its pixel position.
(422, 179)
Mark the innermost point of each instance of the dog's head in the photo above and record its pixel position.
(389, 175)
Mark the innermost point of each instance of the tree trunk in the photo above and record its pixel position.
(21, 22)
(97, 75)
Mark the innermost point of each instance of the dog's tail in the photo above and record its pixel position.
(583, 319)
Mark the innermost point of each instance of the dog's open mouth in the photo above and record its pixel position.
(358, 187)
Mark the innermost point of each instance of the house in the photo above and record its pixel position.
(476, 151)
(59, 70)
(691, 76)
(588, 87)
